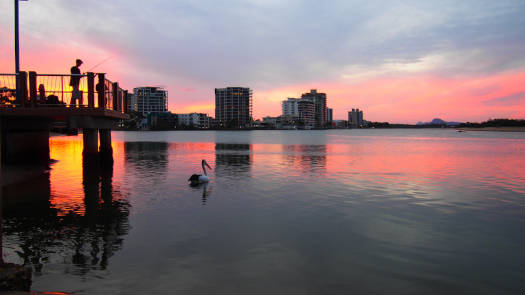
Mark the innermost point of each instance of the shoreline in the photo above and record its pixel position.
(501, 129)
(460, 129)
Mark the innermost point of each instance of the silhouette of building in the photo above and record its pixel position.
(129, 102)
(298, 112)
(161, 120)
(319, 100)
(149, 99)
(330, 115)
(307, 113)
(355, 118)
(270, 122)
(233, 107)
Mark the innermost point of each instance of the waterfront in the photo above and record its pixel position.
(428, 211)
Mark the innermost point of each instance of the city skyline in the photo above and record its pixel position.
(402, 62)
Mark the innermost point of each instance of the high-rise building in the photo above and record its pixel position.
(319, 100)
(355, 118)
(233, 107)
(300, 111)
(149, 99)
(330, 115)
(129, 102)
(291, 107)
(307, 113)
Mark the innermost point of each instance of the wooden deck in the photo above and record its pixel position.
(61, 112)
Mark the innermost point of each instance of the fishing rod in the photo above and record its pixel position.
(103, 61)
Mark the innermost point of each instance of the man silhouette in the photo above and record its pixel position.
(75, 82)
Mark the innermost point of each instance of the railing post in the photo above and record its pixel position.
(120, 97)
(91, 89)
(101, 90)
(125, 102)
(32, 88)
(115, 96)
(22, 84)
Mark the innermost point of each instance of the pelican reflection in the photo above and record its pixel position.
(205, 188)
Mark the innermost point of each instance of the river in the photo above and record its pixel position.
(427, 211)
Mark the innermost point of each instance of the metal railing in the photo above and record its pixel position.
(56, 90)
(8, 90)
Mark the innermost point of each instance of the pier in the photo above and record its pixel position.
(30, 103)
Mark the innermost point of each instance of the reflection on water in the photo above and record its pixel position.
(204, 189)
(310, 158)
(147, 156)
(285, 212)
(40, 233)
(233, 159)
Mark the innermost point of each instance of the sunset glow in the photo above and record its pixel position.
(411, 64)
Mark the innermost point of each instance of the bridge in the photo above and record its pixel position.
(30, 103)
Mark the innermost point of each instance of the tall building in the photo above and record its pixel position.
(330, 115)
(291, 107)
(307, 113)
(355, 118)
(299, 111)
(233, 107)
(129, 102)
(319, 100)
(149, 99)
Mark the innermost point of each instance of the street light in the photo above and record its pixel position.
(17, 48)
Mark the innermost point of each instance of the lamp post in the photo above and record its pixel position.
(17, 49)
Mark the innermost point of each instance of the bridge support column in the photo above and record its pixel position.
(90, 139)
(24, 141)
(106, 151)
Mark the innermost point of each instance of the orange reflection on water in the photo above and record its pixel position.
(396, 164)
(66, 174)
(68, 182)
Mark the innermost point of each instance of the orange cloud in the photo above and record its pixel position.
(413, 98)
(196, 108)
(400, 99)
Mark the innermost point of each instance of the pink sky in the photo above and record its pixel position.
(404, 99)
(396, 69)
(415, 98)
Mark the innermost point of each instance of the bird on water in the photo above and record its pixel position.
(197, 178)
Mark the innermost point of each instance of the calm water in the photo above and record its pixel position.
(285, 212)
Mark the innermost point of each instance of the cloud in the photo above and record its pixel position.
(509, 100)
(271, 45)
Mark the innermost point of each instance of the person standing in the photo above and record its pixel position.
(75, 83)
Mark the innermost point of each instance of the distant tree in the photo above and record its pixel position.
(379, 125)
(233, 124)
(496, 123)
(134, 120)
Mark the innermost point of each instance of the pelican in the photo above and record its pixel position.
(196, 178)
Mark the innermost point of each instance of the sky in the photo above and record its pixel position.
(398, 61)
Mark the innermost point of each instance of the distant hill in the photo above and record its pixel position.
(438, 121)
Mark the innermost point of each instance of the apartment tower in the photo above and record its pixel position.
(233, 107)
(149, 99)
(319, 100)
